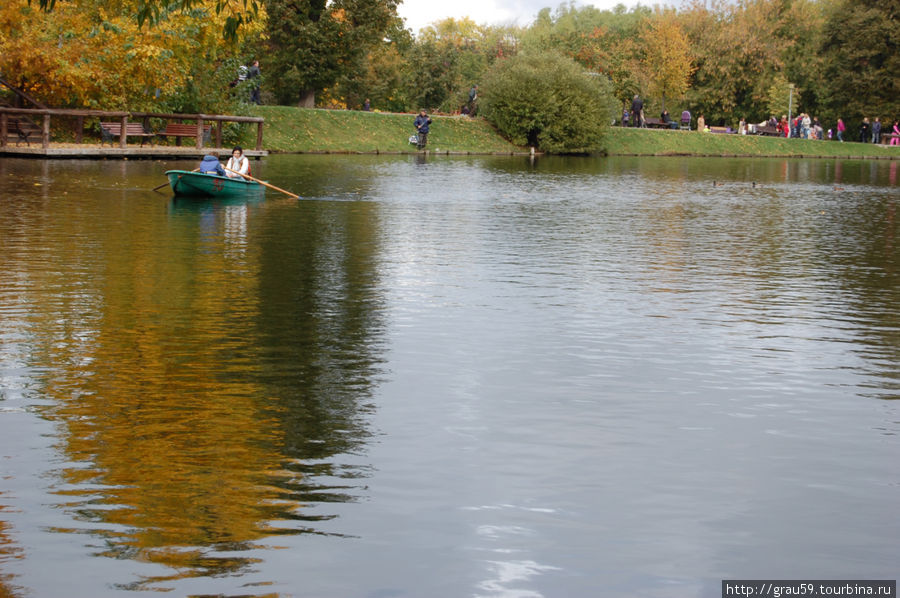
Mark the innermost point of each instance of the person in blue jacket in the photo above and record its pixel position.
(210, 165)
(421, 124)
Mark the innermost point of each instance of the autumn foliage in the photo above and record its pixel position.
(95, 55)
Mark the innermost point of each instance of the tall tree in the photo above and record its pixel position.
(312, 43)
(667, 56)
(861, 51)
(603, 41)
(234, 13)
(96, 55)
(741, 47)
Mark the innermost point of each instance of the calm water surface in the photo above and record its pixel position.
(449, 377)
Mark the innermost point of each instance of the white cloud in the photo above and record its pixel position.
(421, 13)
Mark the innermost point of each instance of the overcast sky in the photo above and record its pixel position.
(420, 13)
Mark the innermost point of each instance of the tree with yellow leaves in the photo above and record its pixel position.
(667, 62)
(94, 54)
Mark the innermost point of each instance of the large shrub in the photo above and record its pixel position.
(547, 101)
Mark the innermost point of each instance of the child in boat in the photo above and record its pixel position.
(238, 162)
(210, 165)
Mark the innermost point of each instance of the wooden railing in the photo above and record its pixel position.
(20, 93)
(124, 118)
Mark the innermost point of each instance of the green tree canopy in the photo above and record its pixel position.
(547, 101)
(861, 50)
(312, 43)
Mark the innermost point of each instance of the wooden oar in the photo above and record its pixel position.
(166, 183)
(247, 176)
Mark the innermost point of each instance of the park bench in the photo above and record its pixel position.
(721, 130)
(23, 129)
(768, 131)
(657, 123)
(179, 130)
(109, 130)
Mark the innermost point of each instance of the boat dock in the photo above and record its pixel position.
(64, 151)
(97, 134)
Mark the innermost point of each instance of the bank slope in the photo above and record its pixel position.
(302, 130)
(291, 129)
(660, 142)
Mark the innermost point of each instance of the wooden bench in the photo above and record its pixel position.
(179, 130)
(725, 130)
(23, 130)
(114, 129)
(768, 131)
(657, 123)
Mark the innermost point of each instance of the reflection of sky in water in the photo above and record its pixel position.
(645, 382)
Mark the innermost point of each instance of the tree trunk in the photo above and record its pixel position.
(307, 98)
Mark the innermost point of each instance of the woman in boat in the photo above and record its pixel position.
(238, 162)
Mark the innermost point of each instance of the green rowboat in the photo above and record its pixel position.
(195, 184)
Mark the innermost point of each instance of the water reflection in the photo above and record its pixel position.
(201, 400)
(8, 551)
(642, 374)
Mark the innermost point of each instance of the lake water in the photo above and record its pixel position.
(449, 377)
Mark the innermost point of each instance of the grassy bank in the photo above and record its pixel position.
(298, 130)
(304, 130)
(649, 142)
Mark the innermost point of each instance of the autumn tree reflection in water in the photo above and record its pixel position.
(8, 551)
(208, 385)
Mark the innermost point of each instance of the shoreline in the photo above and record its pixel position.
(93, 152)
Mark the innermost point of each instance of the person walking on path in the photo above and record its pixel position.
(253, 74)
(841, 127)
(422, 125)
(895, 140)
(876, 130)
(637, 109)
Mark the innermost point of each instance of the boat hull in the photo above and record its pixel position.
(194, 184)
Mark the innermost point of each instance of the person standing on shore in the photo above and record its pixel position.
(422, 125)
(876, 130)
(701, 124)
(864, 130)
(637, 110)
(253, 74)
(841, 127)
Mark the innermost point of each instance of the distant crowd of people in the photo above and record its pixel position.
(802, 126)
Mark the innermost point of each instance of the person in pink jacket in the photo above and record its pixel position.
(841, 127)
(895, 140)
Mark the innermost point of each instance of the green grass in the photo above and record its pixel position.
(289, 129)
(650, 142)
(301, 130)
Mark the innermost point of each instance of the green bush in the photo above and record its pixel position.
(547, 101)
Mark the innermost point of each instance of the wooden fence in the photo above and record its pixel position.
(124, 118)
